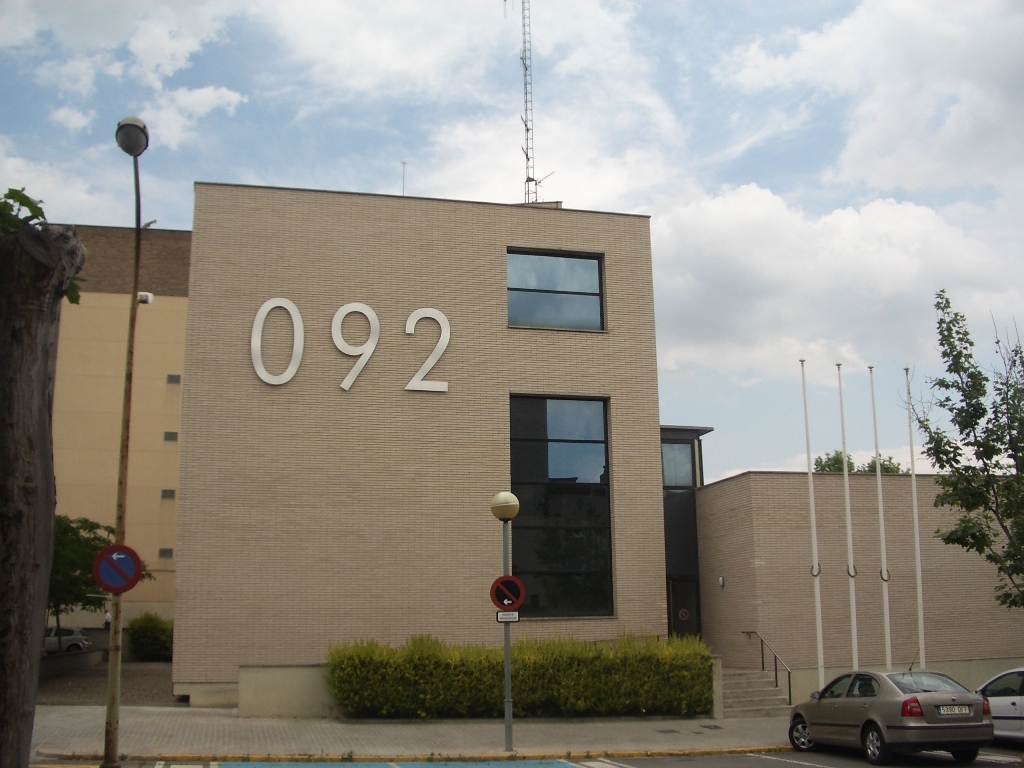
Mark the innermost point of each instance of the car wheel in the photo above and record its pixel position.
(964, 754)
(800, 736)
(875, 748)
(73, 647)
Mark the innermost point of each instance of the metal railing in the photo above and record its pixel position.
(775, 663)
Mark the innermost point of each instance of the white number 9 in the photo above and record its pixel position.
(364, 350)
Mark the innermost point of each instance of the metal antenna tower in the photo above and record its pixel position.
(530, 187)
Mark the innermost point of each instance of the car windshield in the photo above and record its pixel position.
(925, 682)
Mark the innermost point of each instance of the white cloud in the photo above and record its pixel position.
(72, 194)
(73, 119)
(172, 115)
(746, 284)
(935, 87)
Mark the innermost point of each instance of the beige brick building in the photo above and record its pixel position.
(291, 494)
(755, 574)
(328, 509)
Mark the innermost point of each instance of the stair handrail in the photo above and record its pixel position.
(776, 662)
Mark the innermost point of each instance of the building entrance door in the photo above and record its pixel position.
(683, 606)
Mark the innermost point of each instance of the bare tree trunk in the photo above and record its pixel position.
(35, 267)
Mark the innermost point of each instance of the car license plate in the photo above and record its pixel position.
(955, 709)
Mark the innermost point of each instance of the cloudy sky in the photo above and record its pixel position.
(815, 171)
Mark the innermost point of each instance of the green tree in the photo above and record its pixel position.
(833, 462)
(888, 464)
(75, 546)
(980, 456)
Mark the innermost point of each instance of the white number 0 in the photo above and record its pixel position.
(362, 351)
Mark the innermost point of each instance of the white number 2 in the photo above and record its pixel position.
(365, 349)
(417, 381)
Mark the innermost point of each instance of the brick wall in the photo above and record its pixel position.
(310, 515)
(758, 523)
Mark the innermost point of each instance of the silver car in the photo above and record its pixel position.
(70, 640)
(1004, 694)
(884, 713)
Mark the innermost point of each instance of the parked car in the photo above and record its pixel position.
(1004, 693)
(70, 640)
(885, 713)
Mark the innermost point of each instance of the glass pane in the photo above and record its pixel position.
(677, 464)
(562, 550)
(528, 416)
(553, 273)
(577, 463)
(566, 594)
(554, 310)
(529, 460)
(562, 505)
(575, 419)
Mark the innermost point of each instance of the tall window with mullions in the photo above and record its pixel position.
(561, 539)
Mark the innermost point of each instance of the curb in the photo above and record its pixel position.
(429, 758)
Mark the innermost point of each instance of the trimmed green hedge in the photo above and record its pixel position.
(152, 638)
(550, 678)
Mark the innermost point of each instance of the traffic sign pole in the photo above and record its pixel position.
(507, 565)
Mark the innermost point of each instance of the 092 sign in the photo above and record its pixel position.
(362, 351)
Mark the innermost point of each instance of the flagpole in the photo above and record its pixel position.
(815, 565)
(884, 572)
(917, 527)
(851, 569)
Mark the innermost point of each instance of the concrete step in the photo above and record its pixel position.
(757, 711)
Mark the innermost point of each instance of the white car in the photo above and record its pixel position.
(1005, 694)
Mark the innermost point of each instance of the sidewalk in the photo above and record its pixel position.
(168, 733)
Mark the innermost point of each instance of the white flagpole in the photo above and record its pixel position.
(917, 527)
(815, 565)
(851, 569)
(884, 573)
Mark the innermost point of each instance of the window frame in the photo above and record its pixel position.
(552, 253)
(602, 532)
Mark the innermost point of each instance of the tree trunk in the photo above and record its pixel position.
(35, 267)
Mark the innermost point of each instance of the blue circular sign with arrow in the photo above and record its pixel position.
(117, 569)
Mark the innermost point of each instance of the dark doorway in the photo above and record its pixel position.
(683, 606)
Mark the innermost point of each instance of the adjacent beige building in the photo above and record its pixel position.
(89, 393)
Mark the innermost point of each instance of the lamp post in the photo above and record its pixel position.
(131, 136)
(505, 506)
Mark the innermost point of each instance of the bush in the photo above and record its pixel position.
(152, 637)
(555, 678)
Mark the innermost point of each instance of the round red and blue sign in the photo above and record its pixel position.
(117, 569)
(508, 593)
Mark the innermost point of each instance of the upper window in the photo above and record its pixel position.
(677, 464)
(554, 292)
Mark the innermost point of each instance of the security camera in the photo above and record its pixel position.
(145, 297)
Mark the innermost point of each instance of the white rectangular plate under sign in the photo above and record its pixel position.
(507, 616)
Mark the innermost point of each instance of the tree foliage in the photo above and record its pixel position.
(980, 456)
(833, 462)
(75, 546)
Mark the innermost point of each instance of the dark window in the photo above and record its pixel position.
(165, 554)
(171, 437)
(174, 378)
(561, 538)
(554, 292)
(167, 493)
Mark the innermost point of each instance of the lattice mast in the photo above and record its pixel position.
(530, 187)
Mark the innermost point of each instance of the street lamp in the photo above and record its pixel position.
(505, 506)
(131, 136)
